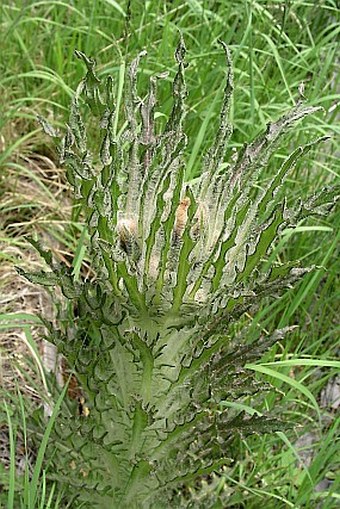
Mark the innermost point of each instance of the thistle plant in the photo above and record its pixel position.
(156, 333)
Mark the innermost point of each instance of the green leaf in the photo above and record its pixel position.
(45, 254)
(47, 127)
(90, 85)
(186, 246)
(295, 384)
(40, 277)
(262, 243)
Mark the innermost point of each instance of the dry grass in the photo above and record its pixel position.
(34, 196)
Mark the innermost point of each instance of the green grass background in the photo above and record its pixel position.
(275, 47)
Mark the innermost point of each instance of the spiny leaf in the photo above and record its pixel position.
(90, 85)
(175, 122)
(40, 277)
(261, 244)
(257, 424)
(186, 245)
(47, 127)
(45, 254)
(216, 153)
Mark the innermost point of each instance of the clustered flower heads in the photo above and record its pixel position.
(158, 336)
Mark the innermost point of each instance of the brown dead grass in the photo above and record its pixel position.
(34, 200)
